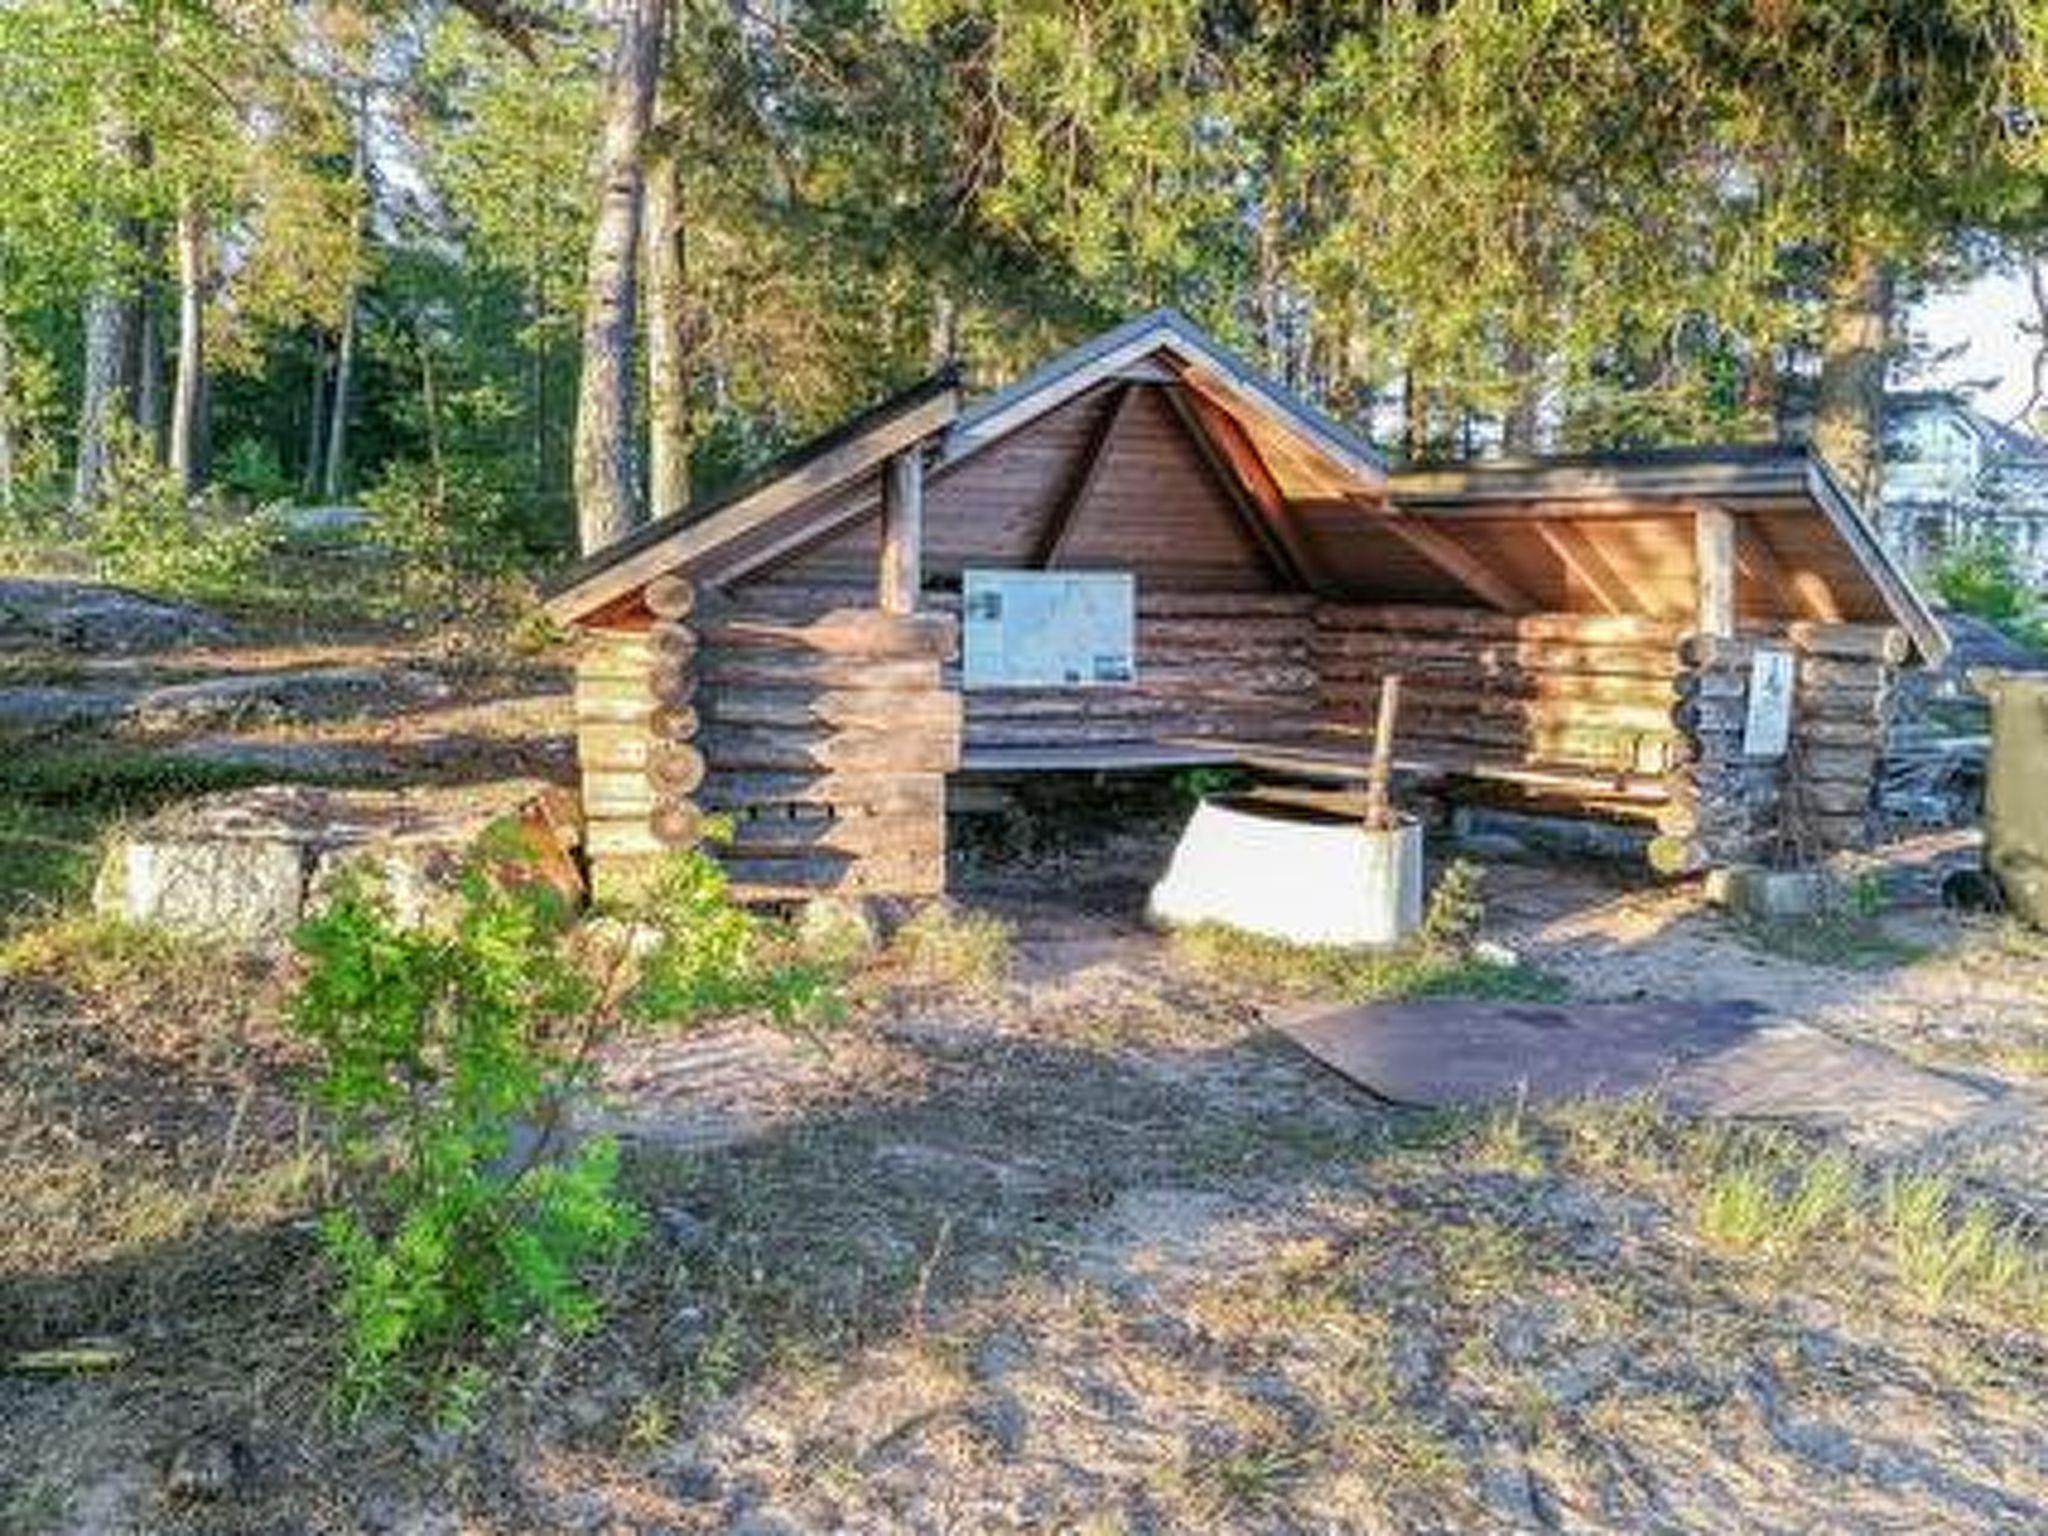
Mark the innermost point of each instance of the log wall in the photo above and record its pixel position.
(828, 733)
(1234, 666)
(1580, 695)
(1820, 796)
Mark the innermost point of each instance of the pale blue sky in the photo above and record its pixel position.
(1986, 318)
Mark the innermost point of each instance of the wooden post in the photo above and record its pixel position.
(1714, 556)
(902, 571)
(1378, 816)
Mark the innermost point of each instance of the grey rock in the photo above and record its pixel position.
(79, 615)
(997, 1355)
(248, 865)
(204, 1468)
(1000, 1419)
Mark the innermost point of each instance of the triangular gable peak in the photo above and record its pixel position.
(1265, 452)
(1302, 453)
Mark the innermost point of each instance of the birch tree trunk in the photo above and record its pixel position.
(331, 480)
(608, 504)
(316, 418)
(187, 454)
(337, 404)
(1855, 347)
(669, 340)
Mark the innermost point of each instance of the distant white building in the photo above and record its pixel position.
(1952, 473)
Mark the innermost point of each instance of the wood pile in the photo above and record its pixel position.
(1590, 694)
(828, 740)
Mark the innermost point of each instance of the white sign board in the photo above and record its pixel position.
(1048, 629)
(1768, 726)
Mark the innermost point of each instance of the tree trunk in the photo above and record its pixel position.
(334, 470)
(669, 342)
(608, 504)
(187, 454)
(149, 359)
(109, 384)
(6, 417)
(942, 337)
(316, 419)
(337, 405)
(1855, 341)
(1520, 424)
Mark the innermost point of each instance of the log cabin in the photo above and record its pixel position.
(1145, 554)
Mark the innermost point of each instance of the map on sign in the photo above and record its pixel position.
(1049, 629)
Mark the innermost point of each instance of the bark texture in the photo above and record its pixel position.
(1855, 348)
(187, 454)
(669, 336)
(112, 321)
(608, 502)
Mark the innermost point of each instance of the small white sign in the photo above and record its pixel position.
(1767, 729)
(1048, 629)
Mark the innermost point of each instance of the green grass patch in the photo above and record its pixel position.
(1418, 969)
(1840, 936)
(59, 801)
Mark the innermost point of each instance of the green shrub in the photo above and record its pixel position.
(448, 1058)
(1981, 577)
(146, 533)
(449, 534)
(249, 467)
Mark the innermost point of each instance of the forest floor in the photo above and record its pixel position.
(1082, 1243)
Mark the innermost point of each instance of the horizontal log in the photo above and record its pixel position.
(629, 836)
(674, 722)
(1493, 658)
(756, 879)
(1575, 627)
(669, 597)
(678, 823)
(1847, 765)
(668, 642)
(880, 792)
(1852, 642)
(723, 666)
(609, 793)
(843, 632)
(621, 711)
(675, 768)
(1201, 634)
(901, 836)
(928, 748)
(802, 708)
(633, 687)
(1153, 603)
(1427, 697)
(1830, 731)
(1870, 677)
(612, 664)
(613, 747)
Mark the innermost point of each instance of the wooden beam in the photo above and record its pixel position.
(1253, 517)
(1086, 471)
(1807, 590)
(1713, 536)
(1580, 556)
(1252, 477)
(755, 512)
(902, 573)
(1455, 561)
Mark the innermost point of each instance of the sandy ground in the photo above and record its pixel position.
(1090, 1249)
